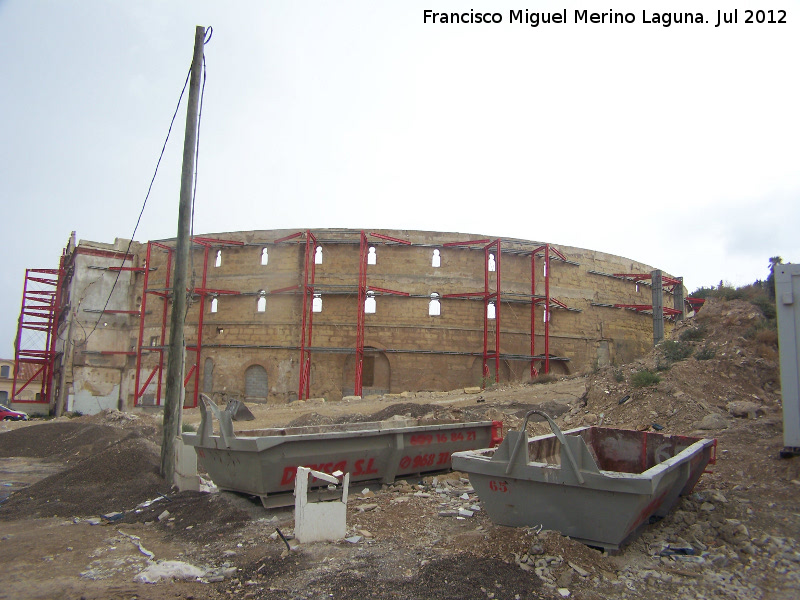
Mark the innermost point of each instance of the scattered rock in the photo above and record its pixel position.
(744, 409)
(711, 421)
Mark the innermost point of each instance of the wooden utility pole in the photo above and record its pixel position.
(173, 398)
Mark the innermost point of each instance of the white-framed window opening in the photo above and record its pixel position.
(214, 305)
(264, 256)
(218, 260)
(261, 303)
(318, 255)
(490, 311)
(436, 261)
(369, 304)
(372, 256)
(434, 306)
(316, 303)
(491, 263)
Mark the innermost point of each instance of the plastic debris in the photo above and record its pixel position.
(169, 570)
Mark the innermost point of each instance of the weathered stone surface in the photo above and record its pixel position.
(744, 409)
(712, 421)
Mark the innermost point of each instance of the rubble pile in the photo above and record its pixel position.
(736, 536)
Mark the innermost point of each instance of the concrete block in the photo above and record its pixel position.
(319, 521)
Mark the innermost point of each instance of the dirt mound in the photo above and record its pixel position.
(452, 578)
(115, 478)
(64, 440)
(717, 367)
(314, 419)
(193, 516)
(404, 409)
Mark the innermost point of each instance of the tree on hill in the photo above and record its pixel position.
(770, 283)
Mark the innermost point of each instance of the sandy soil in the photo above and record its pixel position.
(735, 536)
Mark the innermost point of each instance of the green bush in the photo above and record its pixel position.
(767, 307)
(706, 353)
(187, 428)
(675, 351)
(693, 334)
(645, 378)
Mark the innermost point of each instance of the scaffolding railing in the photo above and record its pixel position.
(35, 344)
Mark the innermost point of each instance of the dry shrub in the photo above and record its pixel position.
(767, 336)
(767, 352)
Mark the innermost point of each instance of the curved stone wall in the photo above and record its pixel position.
(255, 280)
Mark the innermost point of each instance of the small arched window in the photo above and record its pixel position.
(436, 261)
(491, 263)
(218, 261)
(318, 256)
(490, 310)
(264, 256)
(214, 305)
(261, 304)
(434, 306)
(372, 256)
(316, 303)
(369, 304)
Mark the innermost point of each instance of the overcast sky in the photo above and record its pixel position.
(675, 146)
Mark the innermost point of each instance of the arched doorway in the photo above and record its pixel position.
(376, 374)
(255, 383)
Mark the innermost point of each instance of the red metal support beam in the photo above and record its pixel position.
(306, 327)
(637, 277)
(362, 294)
(644, 307)
(203, 291)
(204, 241)
(547, 309)
(466, 243)
(38, 312)
(372, 288)
(289, 237)
(380, 236)
(487, 298)
(159, 369)
(291, 288)
(136, 393)
(534, 370)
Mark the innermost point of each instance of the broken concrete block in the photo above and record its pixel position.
(472, 390)
(319, 521)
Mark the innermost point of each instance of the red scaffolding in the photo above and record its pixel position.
(547, 303)
(37, 333)
(491, 294)
(362, 296)
(165, 294)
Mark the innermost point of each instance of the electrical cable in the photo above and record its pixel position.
(194, 189)
(209, 33)
(144, 204)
